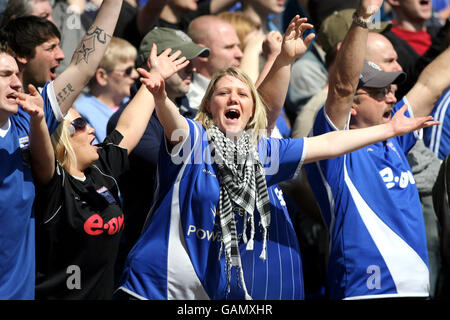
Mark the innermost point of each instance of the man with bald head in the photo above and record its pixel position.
(381, 51)
(221, 38)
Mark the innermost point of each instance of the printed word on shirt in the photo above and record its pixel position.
(406, 177)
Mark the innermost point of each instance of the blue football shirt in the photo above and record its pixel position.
(178, 254)
(17, 250)
(371, 205)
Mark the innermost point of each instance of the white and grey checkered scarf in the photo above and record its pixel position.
(242, 185)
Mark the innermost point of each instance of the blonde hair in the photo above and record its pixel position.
(118, 50)
(241, 23)
(64, 153)
(258, 121)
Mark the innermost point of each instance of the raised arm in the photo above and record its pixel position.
(252, 49)
(274, 87)
(337, 143)
(134, 119)
(175, 125)
(344, 74)
(432, 83)
(271, 48)
(87, 56)
(42, 156)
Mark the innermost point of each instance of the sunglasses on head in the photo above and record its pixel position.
(77, 124)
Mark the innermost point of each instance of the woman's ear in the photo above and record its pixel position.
(101, 76)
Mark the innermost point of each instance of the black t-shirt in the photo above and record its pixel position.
(78, 228)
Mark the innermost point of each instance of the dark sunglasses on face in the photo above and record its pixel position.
(77, 124)
(128, 71)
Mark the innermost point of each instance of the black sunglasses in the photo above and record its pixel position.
(127, 71)
(77, 124)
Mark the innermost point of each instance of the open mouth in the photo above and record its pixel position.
(232, 114)
(11, 97)
(387, 114)
(53, 72)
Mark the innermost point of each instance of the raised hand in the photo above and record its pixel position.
(32, 103)
(165, 64)
(161, 68)
(293, 45)
(402, 124)
(155, 84)
(368, 8)
(272, 44)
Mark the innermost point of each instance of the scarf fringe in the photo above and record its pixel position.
(264, 248)
(244, 287)
(244, 234)
(250, 241)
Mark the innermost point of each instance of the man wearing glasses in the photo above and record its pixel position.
(369, 198)
(375, 96)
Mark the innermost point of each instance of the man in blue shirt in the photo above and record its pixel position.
(369, 198)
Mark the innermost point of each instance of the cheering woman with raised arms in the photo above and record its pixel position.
(207, 232)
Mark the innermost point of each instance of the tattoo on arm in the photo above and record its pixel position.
(62, 95)
(87, 45)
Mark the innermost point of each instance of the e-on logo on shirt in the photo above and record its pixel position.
(405, 178)
(95, 226)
